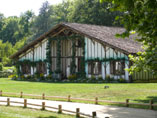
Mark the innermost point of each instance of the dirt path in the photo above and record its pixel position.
(102, 111)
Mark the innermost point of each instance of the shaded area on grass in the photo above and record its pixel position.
(18, 112)
(138, 93)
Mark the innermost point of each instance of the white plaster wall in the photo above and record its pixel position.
(96, 50)
(39, 54)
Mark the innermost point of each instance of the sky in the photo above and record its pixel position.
(16, 7)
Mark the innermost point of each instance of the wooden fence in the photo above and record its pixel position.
(43, 107)
(127, 102)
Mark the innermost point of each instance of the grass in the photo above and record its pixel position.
(18, 112)
(137, 92)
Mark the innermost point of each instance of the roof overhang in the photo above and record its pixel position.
(57, 30)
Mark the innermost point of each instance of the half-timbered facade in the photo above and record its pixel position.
(71, 48)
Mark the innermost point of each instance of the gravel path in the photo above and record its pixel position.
(102, 111)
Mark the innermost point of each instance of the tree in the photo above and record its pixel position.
(1, 21)
(140, 16)
(43, 21)
(26, 22)
(9, 31)
(92, 12)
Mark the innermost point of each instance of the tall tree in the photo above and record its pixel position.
(92, 12)
(140, 16)
(26, 22)
(43, 21)
(9, 30)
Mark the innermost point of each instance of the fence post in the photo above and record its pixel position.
(127, 102)
(59, 108)
(43, 105)
(151, 106)
(77, 112)
(96, 100)
(0, 92)
(8, 101)
(43, 96)
(25, 103)
(69, 98)
(21, 94)
(93, 114)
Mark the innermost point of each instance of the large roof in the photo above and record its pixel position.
(103, 34)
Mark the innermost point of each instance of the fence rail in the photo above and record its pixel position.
(43, 107)
(127, 102)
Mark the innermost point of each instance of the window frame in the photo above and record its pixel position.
(91, 67)
(115, 69)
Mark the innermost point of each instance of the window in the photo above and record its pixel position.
(117, 67)
(26, 69)
(94, 68)
(41, 68)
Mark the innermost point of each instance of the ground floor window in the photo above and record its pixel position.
(117, 67)
(26, 69)
(94, 67)
(41, 68)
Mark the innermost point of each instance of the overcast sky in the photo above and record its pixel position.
(16, 7)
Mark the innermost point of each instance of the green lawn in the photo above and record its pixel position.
(138, 92)
(18, 112)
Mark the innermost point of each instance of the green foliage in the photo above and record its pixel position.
(100, 78)
(58, 70)
(72, 77)
(43, 21)
(121, 80)
(73, 66)
(92, 12)
(1, 67)
(108, 78)
(140, 17)
(48, 55)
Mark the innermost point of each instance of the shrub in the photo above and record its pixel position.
(49, 77)
(93, 77)
(41, 75)
(121, 80)
(100, 78)
(153, 81)
(108, 78)
(72, 77)
(5, 74)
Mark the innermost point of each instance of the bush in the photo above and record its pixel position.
(108, 78)
(5, 74)
(145, 81)
(49, 77)
(121, 80)
(153, 81)
(100, 78)
(72, 77)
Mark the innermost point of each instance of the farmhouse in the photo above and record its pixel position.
(81, 49)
